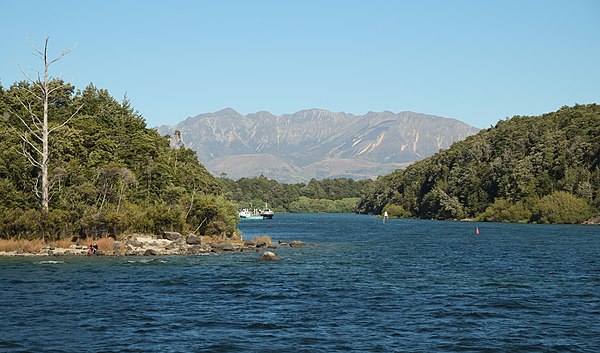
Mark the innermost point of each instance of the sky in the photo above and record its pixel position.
(472, 60)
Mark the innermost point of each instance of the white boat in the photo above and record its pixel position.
(254, 213)
(248, 213)
(267, 213)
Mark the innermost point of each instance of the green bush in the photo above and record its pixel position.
(503, 210)
(396, 211)
(561, 207)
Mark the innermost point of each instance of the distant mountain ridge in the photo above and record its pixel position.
(315, 143)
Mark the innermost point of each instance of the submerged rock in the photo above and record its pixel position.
(297, 243)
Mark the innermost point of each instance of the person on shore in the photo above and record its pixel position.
(93, 249)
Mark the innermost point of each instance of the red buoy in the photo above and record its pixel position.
(477, 230)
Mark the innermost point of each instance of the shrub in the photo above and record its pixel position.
(396, 211)
(503, 210)
(561, 207)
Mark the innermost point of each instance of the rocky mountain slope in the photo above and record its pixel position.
(315, 143)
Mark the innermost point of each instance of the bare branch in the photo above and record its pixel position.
(36, 187)
(57, 88)
(66, 121)
(35, 120)
(33, 93)
(34, 133)
(26, 140)
(29, 157)
(44, 56)
(25, 74)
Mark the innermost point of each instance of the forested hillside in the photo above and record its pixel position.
(108, 173)
(526, 169)
(327, 195)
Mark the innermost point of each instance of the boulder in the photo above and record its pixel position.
(151, 252)
(227, 247)
(193, 239)
(269, 256)
(172, 236)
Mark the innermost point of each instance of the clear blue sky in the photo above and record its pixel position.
(477, 61)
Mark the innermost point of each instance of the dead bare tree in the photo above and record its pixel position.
(37, 129)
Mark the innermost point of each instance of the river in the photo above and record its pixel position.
(359, 285)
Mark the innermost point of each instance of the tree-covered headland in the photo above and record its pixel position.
(107, 172)
(328, 195)
(543, 169)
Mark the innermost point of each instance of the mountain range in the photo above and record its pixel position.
(314, 143)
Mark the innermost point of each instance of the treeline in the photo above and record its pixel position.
(108, 173)
(527, 169)
(328, 195)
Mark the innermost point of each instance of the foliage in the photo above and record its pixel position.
(307, 205)
(501, 173)
(109, 174)
(396, 211)
(503, 210)
(561, 207)
(328, 195)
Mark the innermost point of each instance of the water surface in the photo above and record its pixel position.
(358, 286)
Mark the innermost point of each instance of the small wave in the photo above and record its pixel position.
(49, 262)
(264, 326)
(147, 261)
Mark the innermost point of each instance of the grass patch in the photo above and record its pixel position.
(30, 246)
(104, 244)
(36, 245)
(63, 243)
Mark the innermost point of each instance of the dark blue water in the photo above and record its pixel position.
(359, 286)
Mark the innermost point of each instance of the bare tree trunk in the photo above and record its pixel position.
(39, 129)
(44, 164)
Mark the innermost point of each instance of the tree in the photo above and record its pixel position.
(36, 130)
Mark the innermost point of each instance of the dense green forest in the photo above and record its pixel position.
(108, 172)
(328, 195)
(542, 169)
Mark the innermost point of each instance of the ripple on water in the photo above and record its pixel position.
(409, 286)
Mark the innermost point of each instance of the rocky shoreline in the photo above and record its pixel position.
(166, 244)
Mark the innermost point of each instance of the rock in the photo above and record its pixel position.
(172, 236)
(151, 252)
(593, 220)
(117, 246)
(172, 246)
(134, 242)
(196, 250)
(261, 244)
(269, 256)
(227, 247)
(193, 239)
(297, 243)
